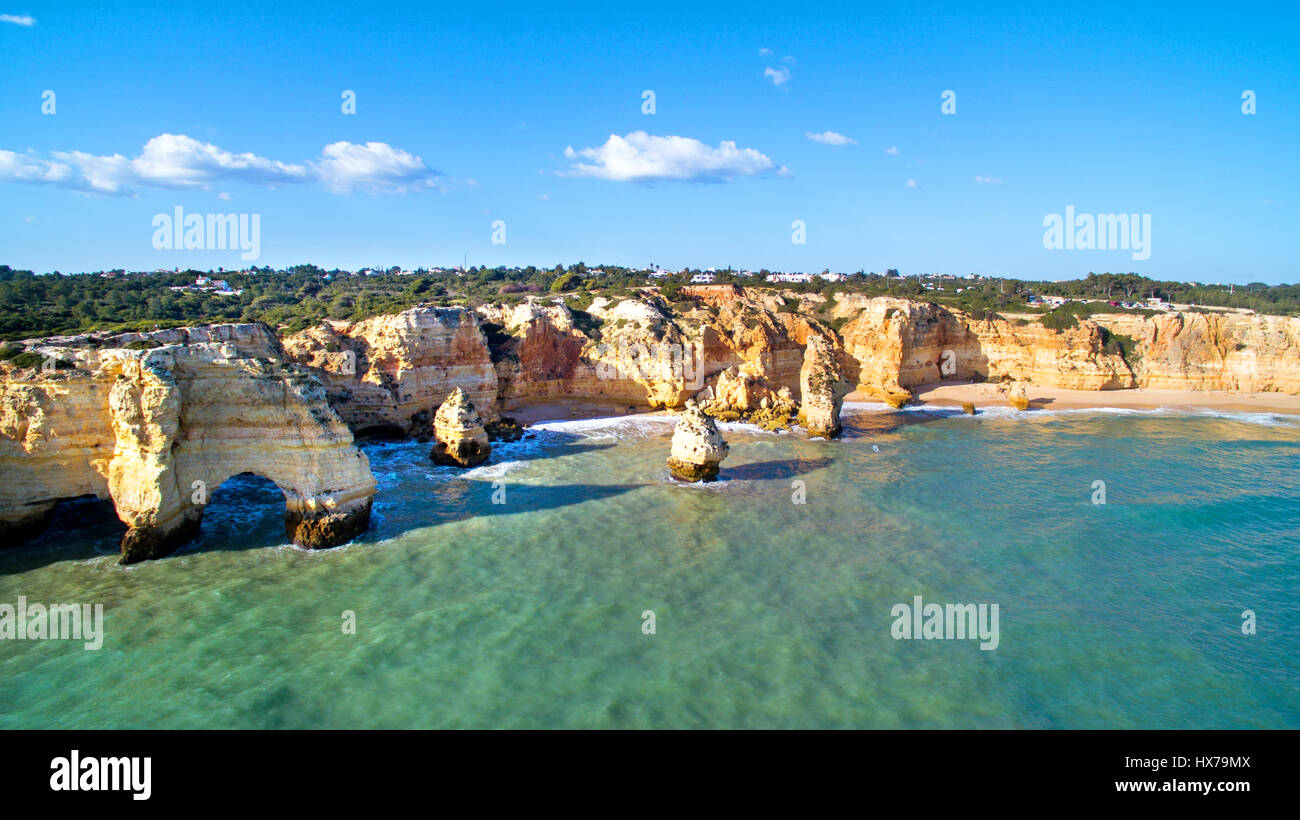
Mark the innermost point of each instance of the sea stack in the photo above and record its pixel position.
(823, 389)
(698, 447)
(460, 440)
(1016, 395)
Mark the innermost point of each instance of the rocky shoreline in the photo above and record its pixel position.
(156, 421)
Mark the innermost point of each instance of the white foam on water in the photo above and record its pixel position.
(639, 425)
(498, 470)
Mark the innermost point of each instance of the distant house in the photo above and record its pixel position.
(790, 277)
(702, 279)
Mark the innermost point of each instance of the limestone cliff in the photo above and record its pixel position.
(649, 351)
(1213, 351)
(157, 432)
(900, 344)
(390, 373)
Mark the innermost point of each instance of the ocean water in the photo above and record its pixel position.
(767, 613)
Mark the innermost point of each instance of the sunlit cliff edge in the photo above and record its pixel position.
(156, 421)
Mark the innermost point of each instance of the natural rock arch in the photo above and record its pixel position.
(142, 427)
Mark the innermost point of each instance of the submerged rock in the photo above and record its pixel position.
(504, 429)
(968, 408)
(823, 389)
(461, 440)
(698, 447)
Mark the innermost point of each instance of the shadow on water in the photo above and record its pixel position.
(247, 511)
(80, 529)
(867, 425)
(461, 499)
(553, 444)
(782, 469)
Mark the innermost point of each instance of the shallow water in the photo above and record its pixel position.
(768, 613)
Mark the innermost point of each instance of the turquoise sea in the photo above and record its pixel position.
(767, 613)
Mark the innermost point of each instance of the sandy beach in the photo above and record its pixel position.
(987, 395)
(529, 414)
(982, 395)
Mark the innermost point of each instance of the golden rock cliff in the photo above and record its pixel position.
(157, 432)
(391, 373)
(1213, 351)
(900, 344)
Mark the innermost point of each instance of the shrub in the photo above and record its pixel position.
(566, 281)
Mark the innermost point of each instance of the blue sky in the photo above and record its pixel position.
(464, 113)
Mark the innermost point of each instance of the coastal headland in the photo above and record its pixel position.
(156, 420)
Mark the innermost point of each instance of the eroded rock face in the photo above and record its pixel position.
(698, 447)
(460, 439)
(900, 344)
(391, 373)
(158, 431)
(1212, 351)
(823, 389)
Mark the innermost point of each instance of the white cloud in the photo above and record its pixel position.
(911, 183)
(989, 180)
(18, 19)
(779, 76)
(640, 157)
(544, 197)
(765, 52)
(830, 138)
(21, 168)
(892, 150)
(178, 161)
(375, 168)
(223, 196)
(789, 60)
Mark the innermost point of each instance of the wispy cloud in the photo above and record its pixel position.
(765, 52)
(911, 183)
(778, 76)
(181, 162)
(640, 157)
(23, 168)
(989, 180)
(18, 19)
(830, 138)
(892, 150)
